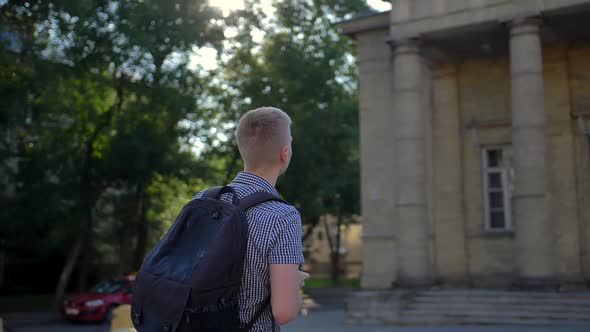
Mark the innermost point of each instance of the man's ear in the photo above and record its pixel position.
(284, 153)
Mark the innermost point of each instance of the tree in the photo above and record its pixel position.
(304, 67)
(101, 112)
(108, 87)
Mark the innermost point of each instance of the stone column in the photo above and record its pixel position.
(451, 259)
(377, 161)
(410, 170)
(534, 234)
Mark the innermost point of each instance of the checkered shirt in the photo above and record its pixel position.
(274, 237)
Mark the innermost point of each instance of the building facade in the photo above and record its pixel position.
(474, 118)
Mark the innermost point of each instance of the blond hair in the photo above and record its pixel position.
(261, 134)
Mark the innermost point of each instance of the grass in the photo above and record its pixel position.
(315, 282)
(26, 303)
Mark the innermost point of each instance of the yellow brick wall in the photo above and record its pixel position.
(484, 95)
(484, 90)
(578, 59)
(561, 156)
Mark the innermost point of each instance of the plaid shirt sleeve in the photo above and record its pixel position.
(285, 244)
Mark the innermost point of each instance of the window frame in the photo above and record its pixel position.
(503, 170)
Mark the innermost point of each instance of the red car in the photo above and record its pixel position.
(98, 303)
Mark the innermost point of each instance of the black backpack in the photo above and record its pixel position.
(191, 279)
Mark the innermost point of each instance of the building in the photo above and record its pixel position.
(474, 118)
(321, 242)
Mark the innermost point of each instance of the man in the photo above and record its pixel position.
(274, 229)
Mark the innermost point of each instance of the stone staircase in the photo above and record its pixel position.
(436, 307)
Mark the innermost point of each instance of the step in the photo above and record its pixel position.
(498, 314)
(495, 293)
(441, 320)
(505, 295)
(499, 307)
(501, 300)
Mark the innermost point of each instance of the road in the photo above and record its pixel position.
(328, 316)
(47, 322)
(333, 321)
(328, 320)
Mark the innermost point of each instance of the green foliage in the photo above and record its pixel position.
(304, 67)
(100, 113)
(169, 195)
(96, 92)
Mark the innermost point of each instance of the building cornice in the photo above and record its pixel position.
(364, 23)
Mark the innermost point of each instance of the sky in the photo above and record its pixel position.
(206, 57)
(227, 5)
(380, 5)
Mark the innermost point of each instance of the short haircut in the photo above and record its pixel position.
(261, 133)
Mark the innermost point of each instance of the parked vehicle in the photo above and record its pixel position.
(98, 303)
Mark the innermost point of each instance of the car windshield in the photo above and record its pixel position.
(108, 287)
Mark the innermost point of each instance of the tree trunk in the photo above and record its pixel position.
(87, 201)
(85, 213)
(335, 244)
(125, 236)
(80, 248)
(336, 253)
(64, 277)
(86, 235)
(333, 250)
(311, 226)
(124, 248)
(2, 263)
(84, 266)
(82, 245)
(142, 231)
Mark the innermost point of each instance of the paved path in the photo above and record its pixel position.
(323, 320)
(47, 322)
(333, 321)
(330, 317)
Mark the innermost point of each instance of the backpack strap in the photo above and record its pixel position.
(246, 203)
(216, 192)
(258, 198)
(212, 192)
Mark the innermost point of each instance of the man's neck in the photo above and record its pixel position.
(269, 175)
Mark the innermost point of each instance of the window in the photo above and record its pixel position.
(496, 176)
